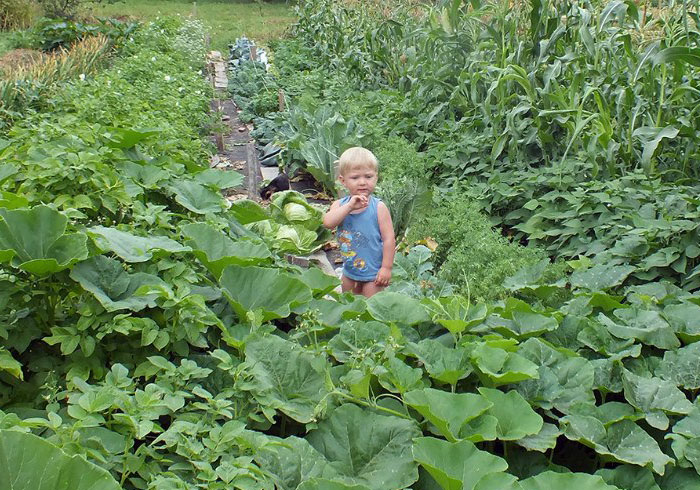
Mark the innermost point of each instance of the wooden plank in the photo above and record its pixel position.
(253, 181)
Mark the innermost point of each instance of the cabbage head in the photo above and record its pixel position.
(296, 239)
(291, 207)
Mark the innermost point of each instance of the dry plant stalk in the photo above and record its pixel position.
(82, 57)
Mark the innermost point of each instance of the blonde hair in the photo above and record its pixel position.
(356, 157)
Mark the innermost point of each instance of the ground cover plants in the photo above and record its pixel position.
(156, 330)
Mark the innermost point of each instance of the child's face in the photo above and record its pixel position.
(359, 180)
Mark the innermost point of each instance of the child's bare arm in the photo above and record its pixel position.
(337, 213)
(386, 229)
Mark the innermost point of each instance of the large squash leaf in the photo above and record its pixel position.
(601, 276)
(293, 461)
(354, 337)
(367, 448)
(686, 440)
(390, 307)
(622, 441)
(34, 240)
(550, 480)
(283, 376)
(113, 287)
(647, 326)
(564, 378)
(455, 465)
(685, 320)
(682, 367)
(501, 367)
(516, 419)
(323, 484)
(28, 462)
(132, 248)
(545, 439)
(629, 477)
(655, 397)
(444, 364)
(216, 250)
(196, 197)
(448, 412)
(270, 292)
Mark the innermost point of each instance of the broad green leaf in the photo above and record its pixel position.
(219, 179)
(565, 379)
(284, 376)
(246, 211)
(608, 413)
(629, 477)
(545, 439)
(367, 448)
(196, 197)
(323, 484)
(528, 324)
(113, 287)
(645, 325)
(318, 281)
(597, 337)
(390, 307)
(269, 291)
(516, 419)
(550, 480)
(498, 481)
(655, 397)
(34, 240)
(601, 276)
(448, 412)
(124, 138)
(623, 441)
(28, 462)
(132, 248)
(7, 170)
(293, 461)
(677, 478)
(682, 367)
(502, 367)
(444, 364)
(482, 428)
(10, 200)
(10, 364)
(397, 376)
(331, 312)
(686, 439)
(455, 465)
(217, 251)
(684, 318)
(360, 339)
(455, 313)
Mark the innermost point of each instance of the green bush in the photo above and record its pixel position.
(398, 157)
(470, 253)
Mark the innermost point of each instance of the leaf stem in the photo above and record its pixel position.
(373, 405)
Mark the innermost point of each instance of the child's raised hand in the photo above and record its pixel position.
(358, 202)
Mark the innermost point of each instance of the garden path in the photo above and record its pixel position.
(236, 151)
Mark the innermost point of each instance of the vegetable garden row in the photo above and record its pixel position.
(156, 330)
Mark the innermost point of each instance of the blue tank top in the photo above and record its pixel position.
(360, 242)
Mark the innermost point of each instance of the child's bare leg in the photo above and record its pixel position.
(348, 284)
(370, 288)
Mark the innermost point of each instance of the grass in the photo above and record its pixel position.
(5, 42)
(228, 20)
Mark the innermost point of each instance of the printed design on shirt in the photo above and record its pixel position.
(349, 242)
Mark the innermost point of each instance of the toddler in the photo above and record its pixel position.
(364, 229)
